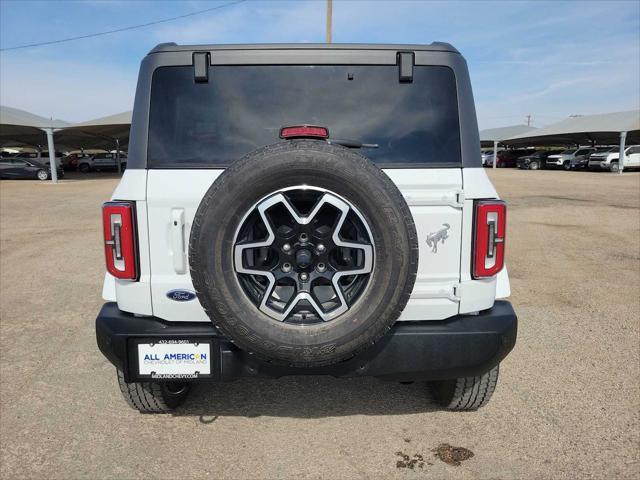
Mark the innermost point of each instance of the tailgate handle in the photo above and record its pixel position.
(177, 240)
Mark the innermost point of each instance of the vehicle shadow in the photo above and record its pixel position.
(306, 397)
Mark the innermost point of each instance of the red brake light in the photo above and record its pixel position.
(490, 229)
(304, 131)
(118, 223)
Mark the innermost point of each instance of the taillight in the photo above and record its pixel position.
(120, 248)
(304, 131)
(490, 229)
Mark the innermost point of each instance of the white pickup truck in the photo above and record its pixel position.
(102, 162)
(610, 159)
(305, 210)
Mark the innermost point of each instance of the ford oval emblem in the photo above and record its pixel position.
(181, 295)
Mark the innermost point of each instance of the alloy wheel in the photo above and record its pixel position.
(303, 255)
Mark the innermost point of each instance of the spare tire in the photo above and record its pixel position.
(303, 252)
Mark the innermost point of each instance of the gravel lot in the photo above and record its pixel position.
(567, 404)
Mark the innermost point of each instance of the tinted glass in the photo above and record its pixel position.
(242, 108)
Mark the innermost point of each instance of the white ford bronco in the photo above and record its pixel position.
(305, 210)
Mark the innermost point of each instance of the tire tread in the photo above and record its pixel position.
(146, 397)
(471, 393)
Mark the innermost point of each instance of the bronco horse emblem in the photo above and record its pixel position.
(440, 235)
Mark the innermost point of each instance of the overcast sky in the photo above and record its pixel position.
(545, 59)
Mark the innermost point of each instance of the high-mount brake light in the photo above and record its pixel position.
(120, 246)
(489, 238)
(304, 131)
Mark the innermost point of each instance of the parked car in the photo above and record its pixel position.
(485, 155)
(536, 160)
(43, 157)
(102, 162)
(569, 159)
(507, 158)
(18, 167)
(235, 251)
(71, 161)
(609, 160)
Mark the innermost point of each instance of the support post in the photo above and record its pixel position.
(495, 154)
(623, 141)
(329, 20)
(118, 155)
(52, 155)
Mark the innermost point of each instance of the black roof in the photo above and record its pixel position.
(432, 47)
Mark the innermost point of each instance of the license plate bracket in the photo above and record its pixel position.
(161, 359)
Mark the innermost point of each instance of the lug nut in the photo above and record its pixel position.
(304, 276)
(286, 267)
(320, 248)
(321, 267)
(303, 237)
(286, 247)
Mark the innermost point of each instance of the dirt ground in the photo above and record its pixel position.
(567, 403)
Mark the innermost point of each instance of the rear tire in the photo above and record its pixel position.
(466, 393)
(42, 175)
(153, 397)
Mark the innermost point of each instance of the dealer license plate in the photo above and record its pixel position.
(174, 359)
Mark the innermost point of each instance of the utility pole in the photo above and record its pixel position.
(329, 20)
(528, 120)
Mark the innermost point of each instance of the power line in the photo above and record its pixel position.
(124, 29)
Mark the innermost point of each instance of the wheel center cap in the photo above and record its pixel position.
(303, 258)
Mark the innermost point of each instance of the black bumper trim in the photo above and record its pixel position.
(461, 346)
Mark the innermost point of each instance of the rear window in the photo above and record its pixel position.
(242, 108)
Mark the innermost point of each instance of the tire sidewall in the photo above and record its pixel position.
(274, 168)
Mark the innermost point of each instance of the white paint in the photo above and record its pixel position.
(109, 288)
(436, 197)
(169, 191)
(135, 297)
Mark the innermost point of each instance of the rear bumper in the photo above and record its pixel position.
(461, 346)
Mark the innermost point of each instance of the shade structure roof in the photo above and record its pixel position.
(17, 117)
(19, 128)
(490, 135)
(98, 133)
(602, 129)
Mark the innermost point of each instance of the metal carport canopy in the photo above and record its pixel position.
(494, 136)
(20, 128)
(604, 129)
(490, 135)
(106, 129)
(110, 132)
